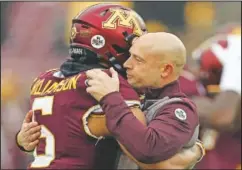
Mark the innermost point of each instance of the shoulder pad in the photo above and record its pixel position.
(44, 74)
(47, 72)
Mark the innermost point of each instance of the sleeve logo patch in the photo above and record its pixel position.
(180, 114)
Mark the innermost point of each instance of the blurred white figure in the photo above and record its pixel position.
(230, 58)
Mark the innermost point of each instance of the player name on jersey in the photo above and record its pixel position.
(40, 87)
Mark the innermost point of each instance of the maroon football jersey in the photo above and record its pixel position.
(61, 106)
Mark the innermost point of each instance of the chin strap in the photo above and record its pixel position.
(115, 64)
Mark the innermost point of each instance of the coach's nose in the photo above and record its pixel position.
(128, 63)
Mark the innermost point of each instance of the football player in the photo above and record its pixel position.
(72, 123)
(220, 112)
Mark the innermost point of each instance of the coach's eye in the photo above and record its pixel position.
(138, 60)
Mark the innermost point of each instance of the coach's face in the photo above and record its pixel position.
(142, 68)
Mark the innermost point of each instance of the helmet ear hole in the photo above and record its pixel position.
(119, 49)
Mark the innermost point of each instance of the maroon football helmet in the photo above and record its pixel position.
(106, 30)
(210, 68)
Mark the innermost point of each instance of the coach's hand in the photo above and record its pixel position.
(29, 133)
(99, 83)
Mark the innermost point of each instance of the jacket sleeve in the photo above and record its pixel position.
(161, 139)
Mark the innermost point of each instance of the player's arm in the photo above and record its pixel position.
(97, 123)
(222, 113)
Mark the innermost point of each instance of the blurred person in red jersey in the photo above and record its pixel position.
(219, 60)
(71, 123)
(190, 84)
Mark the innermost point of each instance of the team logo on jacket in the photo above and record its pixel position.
(180, 114)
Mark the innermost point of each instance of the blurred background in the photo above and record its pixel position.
(34, 38)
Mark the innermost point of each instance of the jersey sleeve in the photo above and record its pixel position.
(165, 135)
